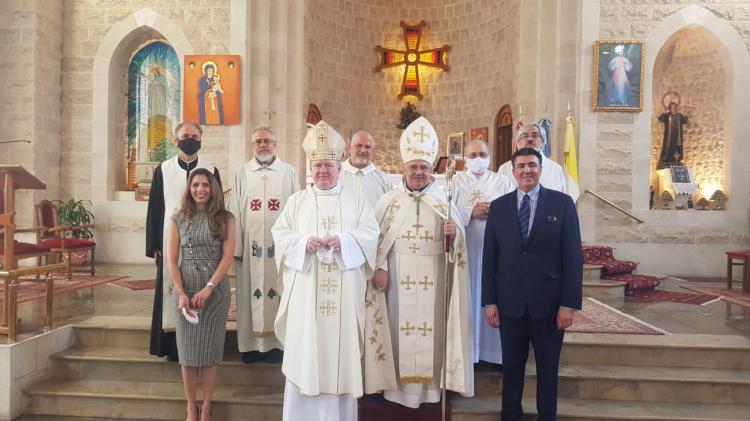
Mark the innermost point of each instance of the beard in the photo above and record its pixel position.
(265, 157)
(359, 160)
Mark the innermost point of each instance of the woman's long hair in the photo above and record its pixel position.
(217, 214)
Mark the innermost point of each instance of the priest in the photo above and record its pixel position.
(326, 239)
(261, 188)
(411, 268)
(360, 173)
(167, 188)
(534, 137)
(473, 191)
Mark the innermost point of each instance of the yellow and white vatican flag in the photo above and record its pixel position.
(571, 159)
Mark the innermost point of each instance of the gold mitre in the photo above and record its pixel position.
(419, 141)
(323, 142)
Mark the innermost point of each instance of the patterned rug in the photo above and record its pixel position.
(732, 296)
(671, 296)
(135, 284)
(597, 317)
(31, 289)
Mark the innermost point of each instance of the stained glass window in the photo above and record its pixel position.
(153, 106)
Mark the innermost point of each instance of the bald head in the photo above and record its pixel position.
(360, 149)
(477, 149)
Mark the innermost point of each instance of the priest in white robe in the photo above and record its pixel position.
(326, 239)
(360, 173)
(261, 188)
(553, 175)
(167, 188)
(411, 268)
(473, 191)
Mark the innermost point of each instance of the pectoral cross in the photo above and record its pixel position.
(328, 223)
(407, 328)
(328, 267)
(329, 285)
(426, 236)
(424, 329)
(421, 134)
(426, 282)
(328, 308)
(408, 236)
(393, 207)
(477, 196)
(408, 282)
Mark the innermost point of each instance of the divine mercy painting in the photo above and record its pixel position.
(212, 89)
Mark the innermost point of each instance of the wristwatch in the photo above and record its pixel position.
(210, 284)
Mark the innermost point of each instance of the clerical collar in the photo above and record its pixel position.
(187, 165)
(416, 192)
(348, 167)
(333, 190)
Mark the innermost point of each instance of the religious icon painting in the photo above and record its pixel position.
(480, 133)
(455, 145)
(618, 75)
(212, 89)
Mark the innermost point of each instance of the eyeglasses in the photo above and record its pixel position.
(190, 137)
(477, 155)
(264, 141)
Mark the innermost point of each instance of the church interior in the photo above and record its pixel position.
(643, 100)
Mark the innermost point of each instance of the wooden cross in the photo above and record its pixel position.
(421, 133)
(476, 196)
(408, 236)
(393, 207)
(424, 329)
(412, 58)
(426, 282)
(328, 308)
(329, 285)
(414, 248)
(426, 236)
(328, 267)
(328, 223)
(408, 282)
(407, 328)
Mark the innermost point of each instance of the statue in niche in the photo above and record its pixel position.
(673, 121)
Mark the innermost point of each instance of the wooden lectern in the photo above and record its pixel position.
(12, 178)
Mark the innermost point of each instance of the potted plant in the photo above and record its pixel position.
(74, 213)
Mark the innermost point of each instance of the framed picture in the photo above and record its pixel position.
(212, 89)
(618, 75)
(480, 133)
(455, 146)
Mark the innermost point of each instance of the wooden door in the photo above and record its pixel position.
(503, 136)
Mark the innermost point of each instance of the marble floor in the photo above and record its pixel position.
(715, 318)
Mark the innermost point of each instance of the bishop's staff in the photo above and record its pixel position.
(449, 172)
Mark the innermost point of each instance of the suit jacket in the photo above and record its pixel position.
(542, 274)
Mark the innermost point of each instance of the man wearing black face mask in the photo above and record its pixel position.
(167, 188)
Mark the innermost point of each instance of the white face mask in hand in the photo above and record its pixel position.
(478, 165)
(325, 255)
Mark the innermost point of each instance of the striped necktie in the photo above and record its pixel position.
(523, 217)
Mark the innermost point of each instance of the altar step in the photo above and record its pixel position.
(108, 374)
(596, 287)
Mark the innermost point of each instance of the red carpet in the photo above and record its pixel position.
(597, 317)
(670, 296)
(136, 284)
(376, 408)
(732, 296)
(32, 289)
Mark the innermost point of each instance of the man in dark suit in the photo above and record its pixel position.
(532, 275)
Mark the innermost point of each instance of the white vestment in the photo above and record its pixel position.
(373, 182)
(553, 176)
(175, 184)
(321, 317)
(468, 189)
(411, 249)
(258, 195)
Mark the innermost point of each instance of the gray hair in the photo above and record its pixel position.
(369, 135)
(264, 129)
(527, 127)
(188, 123)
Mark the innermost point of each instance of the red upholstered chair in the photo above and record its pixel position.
(22, 250)
(58, 237)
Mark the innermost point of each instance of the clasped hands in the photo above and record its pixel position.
(564, 317)
(314, 243)
(198, 300)
(480, 210)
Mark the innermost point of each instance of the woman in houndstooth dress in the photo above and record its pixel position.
(204, 231)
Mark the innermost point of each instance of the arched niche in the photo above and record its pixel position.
(109, 125)
(695, 64)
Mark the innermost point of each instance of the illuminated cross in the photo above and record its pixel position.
(328, 307)
(412, 58)
(426, 236)
(407, 328)
(424, 329)
(426, 282)
(408, 282)
(329, 285)
(408, 236)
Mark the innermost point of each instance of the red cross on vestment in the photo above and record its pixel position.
(255, 204)
(273, 204)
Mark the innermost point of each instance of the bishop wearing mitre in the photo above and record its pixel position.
(411, 269)
(326, 239)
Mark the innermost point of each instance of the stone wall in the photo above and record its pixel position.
(340, 58)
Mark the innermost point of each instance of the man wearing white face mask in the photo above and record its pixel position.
(473, 192)
(532, 136)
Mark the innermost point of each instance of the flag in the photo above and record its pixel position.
(571, 159)
(546, 126)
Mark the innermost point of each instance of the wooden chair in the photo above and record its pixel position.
(56, 236)
(23, 250)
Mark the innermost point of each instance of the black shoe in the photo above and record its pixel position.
(274, 356)
(251, 357)
(173, 358)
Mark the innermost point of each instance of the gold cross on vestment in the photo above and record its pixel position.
(426, 236)
(440, 207)
(477, 196)
(414, 248)
(407, 328)
(328, 308)
(393, 206)
(329, 285)
(426, 282)
(424, 329)
(421, 133)
(417, 226)
(408, 282)
(328, 267)
(408, 236)
(328, 223)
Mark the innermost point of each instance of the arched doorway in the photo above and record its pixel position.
(503, 136)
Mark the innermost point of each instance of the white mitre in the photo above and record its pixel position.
(323, 142)
(419, 141)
